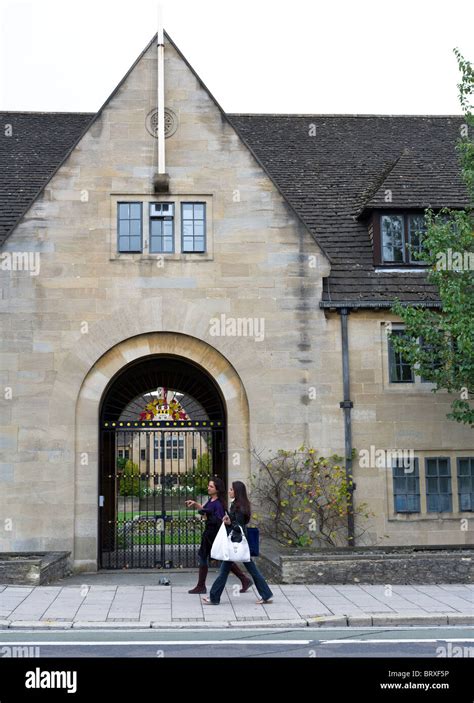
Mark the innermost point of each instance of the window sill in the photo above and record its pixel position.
(398, 268)
(152, 258)
(411, 388)
(424, 517)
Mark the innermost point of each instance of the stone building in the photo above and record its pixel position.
(232, 282)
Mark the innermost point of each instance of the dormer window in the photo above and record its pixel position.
(392, 232)
(416, 230)
(398, 238)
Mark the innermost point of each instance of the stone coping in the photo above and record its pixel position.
(33, 568)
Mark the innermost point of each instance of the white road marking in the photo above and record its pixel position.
(153, 642)
(440, 639)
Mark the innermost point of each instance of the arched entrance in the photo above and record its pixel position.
(162, 436)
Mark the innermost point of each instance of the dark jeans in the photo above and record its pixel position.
(221, 580)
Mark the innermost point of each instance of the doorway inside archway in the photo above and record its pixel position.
(162, 437)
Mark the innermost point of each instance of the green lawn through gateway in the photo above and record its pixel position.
(130, 514)
(191, 534)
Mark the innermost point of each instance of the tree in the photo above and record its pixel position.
(129, 482)
(199, 477)
(440, 344)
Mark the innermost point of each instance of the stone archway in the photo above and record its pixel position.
(162, 439)
(97, 379)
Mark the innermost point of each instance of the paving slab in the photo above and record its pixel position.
(138, 625)
(135, 600)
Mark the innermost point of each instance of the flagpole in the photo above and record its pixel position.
(161, 92)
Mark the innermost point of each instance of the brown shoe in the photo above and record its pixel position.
(246, 584)
(244, 580)
(201, 584)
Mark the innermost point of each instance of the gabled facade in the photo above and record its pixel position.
(226, 284)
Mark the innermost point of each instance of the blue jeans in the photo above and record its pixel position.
(221, 580)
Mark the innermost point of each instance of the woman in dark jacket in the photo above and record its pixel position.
(239, 516)
(213, 512)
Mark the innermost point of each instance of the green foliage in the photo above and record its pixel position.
(304, 500)
(446, 356)
(202, 473)
(129, 482)
(198, 479)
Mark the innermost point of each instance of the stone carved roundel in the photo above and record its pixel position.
(171, 122)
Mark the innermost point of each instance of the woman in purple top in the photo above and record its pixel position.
(213, 512)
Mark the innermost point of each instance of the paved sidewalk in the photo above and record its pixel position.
(135, 600)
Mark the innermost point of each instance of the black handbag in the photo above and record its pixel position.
(253, 538)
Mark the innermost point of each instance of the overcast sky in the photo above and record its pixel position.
(351, 56)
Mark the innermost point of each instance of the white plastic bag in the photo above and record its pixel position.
(220, 546)
(224, 549)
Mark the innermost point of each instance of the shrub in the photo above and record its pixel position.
(304, 500)
(129, 482)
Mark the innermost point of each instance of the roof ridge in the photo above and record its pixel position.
(46, 112)
(375, 115)
(342, 114)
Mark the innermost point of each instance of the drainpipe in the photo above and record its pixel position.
(347, 405)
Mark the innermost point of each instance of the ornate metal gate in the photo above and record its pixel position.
(150, 470)
(162, 438)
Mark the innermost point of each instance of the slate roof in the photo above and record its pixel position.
(331, 168)
(38, 144)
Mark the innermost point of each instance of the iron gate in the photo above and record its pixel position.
(148, 471)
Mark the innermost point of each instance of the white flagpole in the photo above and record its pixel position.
(161, 92)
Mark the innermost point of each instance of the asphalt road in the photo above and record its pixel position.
(431, 642)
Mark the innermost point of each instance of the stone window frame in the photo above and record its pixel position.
(415, 387)
(458, 461)
(162, 219)
(412, 474)
(424, 516)
(129, 219)
(177, 254)
(439, 476)
(393, 361)
(194, 220)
